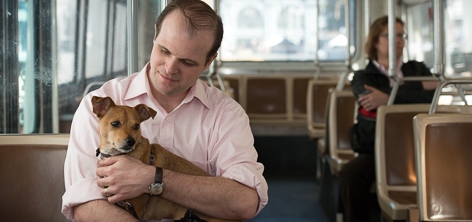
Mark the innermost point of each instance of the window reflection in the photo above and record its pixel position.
(283, 30)
(458, 47)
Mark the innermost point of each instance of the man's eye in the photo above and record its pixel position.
(187, 63)
(115, 124)
(136, 126)
(165, 52)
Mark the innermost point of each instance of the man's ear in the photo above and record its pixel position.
(211, 60)
(155, 32)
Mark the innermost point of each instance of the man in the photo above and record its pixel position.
(197, 122)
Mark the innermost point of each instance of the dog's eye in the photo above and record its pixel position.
(115, 124)
(136, 126)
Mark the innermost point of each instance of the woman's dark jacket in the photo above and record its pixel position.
(363, 133)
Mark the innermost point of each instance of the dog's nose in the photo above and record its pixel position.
(130, 141)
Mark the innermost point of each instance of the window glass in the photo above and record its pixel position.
(457, 44)
(420, 34)
(66, 39)
(332, 27)
(96, 38)
(22, 56)
(283, 30)
(457, 38)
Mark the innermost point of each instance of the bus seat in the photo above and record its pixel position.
(334, 150)
(341, 112)
(268, 97)
(394, 158)
(299, 94)
(227, 88)
(32, 177)
(316, 105)
(443, 152)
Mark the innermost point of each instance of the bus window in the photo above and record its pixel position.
(284, 30)
(457, 44)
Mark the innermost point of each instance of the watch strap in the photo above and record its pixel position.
(158, 177)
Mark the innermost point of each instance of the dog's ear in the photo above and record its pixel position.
(145, 112)
(101, 105)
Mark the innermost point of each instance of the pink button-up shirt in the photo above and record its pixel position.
(208, 128)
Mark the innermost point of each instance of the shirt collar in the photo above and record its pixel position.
(198, 90)
(385, 71)
(139, 85)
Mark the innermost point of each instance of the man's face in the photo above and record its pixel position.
(177, 60)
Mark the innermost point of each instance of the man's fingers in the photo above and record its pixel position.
(107, 161)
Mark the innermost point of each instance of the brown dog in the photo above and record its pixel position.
(120, 134)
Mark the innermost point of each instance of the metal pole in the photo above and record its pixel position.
(132, 39)
(317, 45)
(438, 39)
(367, 16)
(392, 60)
(347, 20)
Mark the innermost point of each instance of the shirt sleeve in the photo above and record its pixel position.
(81, 162)
(234, 153)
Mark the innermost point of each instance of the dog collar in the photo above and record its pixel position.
(103, 155)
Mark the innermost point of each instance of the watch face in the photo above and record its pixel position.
(156, 188)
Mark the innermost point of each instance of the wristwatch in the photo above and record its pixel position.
(157, 187)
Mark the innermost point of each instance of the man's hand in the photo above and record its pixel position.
(374, 99)
(125, 177)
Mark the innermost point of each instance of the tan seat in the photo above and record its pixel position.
(32, 177)
(227, 88)
(341, 112)
(394, 159)
(316, 105)
(268, 98)
(443, 155)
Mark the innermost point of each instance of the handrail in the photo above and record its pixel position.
(90, 85)
(398, 81)
(444, 83)
(342, 80)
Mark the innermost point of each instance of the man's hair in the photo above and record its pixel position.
(374, 34)
(199, 16)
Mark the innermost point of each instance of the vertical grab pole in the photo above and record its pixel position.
(317, 44)
(216, 62)
(131, 21)
(347, 19)
(438, 39)
(392, 60)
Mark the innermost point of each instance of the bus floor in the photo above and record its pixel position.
(290, 169)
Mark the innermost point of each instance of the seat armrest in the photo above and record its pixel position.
(413, 214)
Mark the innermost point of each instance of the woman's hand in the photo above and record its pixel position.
(374, 99)
(430, 85)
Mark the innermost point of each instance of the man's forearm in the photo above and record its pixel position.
(101, 211)
(214, 196)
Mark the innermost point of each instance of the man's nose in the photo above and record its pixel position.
(172, 65)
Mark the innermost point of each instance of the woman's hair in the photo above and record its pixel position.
(374, 33)
(200, 16)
